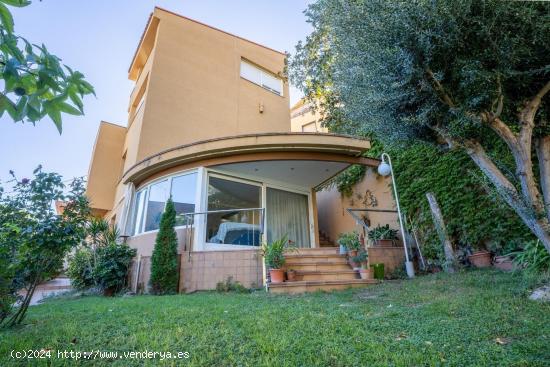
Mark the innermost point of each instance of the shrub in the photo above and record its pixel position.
(230, 286)
(81, 268)
(164, 262)
(533, 258)
(113, 263)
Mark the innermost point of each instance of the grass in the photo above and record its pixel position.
(475, 318)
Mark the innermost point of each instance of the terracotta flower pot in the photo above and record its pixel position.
(109, 292)
(291, 275)
(352, 253)
(480, 259)
(365, 273)
(277, 275)
(384, 242)
(504, 263)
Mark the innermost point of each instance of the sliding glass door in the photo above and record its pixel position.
(287, 214)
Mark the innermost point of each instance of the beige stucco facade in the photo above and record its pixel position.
(305, 118)
(194, 111)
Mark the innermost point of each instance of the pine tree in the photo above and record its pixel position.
(164, 262)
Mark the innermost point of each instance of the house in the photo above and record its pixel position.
(209, 125)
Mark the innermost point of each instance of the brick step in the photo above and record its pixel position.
(323, 285)
(315, 251)
(326, 243)
(314, 258)
(318, 266)
(327, 275)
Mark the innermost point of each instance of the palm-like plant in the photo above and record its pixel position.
(273, 252)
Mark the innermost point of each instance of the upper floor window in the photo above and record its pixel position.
(261, 77)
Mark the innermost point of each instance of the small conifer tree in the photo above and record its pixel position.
(164, 262)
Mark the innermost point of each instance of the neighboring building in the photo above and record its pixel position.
(306, 119)
(209, 125)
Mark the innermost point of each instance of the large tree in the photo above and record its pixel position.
(36, 83)
(448, 72)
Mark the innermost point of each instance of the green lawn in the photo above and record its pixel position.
(478, 318)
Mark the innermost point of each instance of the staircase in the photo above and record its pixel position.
(319, 269)
(324, 240)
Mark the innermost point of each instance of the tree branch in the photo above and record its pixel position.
(438, 87)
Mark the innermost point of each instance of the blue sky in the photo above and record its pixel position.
(99, 38)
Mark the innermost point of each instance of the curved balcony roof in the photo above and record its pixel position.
(254, 147)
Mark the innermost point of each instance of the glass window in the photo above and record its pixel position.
(234, 226)
(137, 219)
(183, 195)
(261, 77)
(158, 194)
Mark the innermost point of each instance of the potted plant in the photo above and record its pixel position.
(503, 256)
(291, 275)
(273, 254)
(480, 259)
(351, 242)
(383, 235)
(365, 272)
(360, 261)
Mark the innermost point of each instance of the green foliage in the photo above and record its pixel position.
(435, 320)
(361, 257)
(346, 180)
(273, 252)
(350, 240)
(81, 268)
(473, 215)
(533, 258)
(382, 233)
(164, 262)
(113, 264)
(231, 286)
(34, 240)
(36, 84)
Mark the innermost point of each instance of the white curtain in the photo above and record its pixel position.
(123, 224)
(287, 214)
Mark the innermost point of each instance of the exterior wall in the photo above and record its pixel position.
(205, 269)
(106, 166)
(391, 257)
(304, 119)
(333, 217)
(195, 81)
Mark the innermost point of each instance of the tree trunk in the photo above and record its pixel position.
(543, 155)
(450, 260)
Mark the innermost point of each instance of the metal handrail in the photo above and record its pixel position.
(188, 244)
(360, 221)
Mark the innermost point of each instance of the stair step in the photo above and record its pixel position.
(324, 285)
(314, 258)
(327, 275)
(317, 251)
(318, 266)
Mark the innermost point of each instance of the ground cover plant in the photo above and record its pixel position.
(480, 318)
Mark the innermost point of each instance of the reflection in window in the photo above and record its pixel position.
(158, 194)
(137, 220)
(183, 195)
(261, 77)
(234, 227)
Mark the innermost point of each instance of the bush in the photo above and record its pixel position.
(164, 262)
(113, 263)
(230, 286)
(81, 269)
(533, 258)
(350, 240)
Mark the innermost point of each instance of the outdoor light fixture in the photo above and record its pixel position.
(385, 169)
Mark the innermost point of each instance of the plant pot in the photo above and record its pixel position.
(352, 253)
(480, 259)
(291, 275)
(109, 292)
(503, 263)
(365, 273)
(277, 275)
(384, 242)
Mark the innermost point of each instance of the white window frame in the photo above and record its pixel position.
(261, 81)
(147, 187)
